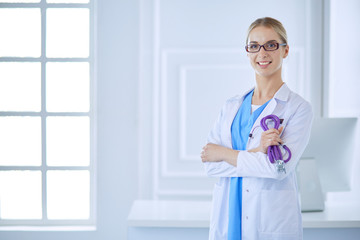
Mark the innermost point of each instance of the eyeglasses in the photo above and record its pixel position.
(269, 46)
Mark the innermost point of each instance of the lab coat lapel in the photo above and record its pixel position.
(282, 94)
(232, 113)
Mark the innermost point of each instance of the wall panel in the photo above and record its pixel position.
(196, 60)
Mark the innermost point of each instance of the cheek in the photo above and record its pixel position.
(279, 58)
(251, 57)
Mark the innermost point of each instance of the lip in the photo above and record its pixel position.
(263, 64)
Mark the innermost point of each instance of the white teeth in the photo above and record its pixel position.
(263, 63)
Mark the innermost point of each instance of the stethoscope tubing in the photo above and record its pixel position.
(274, 152)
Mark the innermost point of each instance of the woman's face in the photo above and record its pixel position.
(266, 63)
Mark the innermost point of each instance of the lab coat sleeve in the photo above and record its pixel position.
(218, 169)
(296, 136)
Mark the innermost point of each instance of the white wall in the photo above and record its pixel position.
(117, 132)
(192, 59)
(344, 86)
(117, 78)
(344, 98)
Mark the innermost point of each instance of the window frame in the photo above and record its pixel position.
(43, 114)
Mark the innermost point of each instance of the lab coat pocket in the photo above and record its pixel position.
(279, 212)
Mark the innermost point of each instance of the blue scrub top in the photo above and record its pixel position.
(240, 130)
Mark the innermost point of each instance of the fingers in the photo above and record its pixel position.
(272, 130)
(281, 129)
(270, 137)
(210, 152)
(203, 153)
(273, 141)
(273, 136)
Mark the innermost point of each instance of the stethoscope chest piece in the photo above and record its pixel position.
(280, 166)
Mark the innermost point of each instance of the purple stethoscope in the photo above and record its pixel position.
(274, 152)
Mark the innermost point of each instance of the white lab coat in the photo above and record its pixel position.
(270, 204)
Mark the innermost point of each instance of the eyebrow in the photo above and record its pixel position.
(266, 42)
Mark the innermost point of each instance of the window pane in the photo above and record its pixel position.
(20, 141)
(20, 86)
(20, 32)
(20, 193)
(67, 87)
(19, 1)
(68, 194)
(68, 141)
(67, 32)
(67, 1)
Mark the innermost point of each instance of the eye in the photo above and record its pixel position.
(253, 46)
(271, 45)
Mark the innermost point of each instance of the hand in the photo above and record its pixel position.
(270, 137)
(212, 153)
(216, 153)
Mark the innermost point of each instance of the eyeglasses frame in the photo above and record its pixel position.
(263, 46)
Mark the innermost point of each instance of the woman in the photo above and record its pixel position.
(254, 198)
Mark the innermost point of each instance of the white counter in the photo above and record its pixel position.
(196, 214)
(147, 213)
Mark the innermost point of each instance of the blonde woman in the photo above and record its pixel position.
(256, 196)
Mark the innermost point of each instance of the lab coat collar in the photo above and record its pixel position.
(246, 93)
(283, 93)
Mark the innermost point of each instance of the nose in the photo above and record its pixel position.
(262, 52)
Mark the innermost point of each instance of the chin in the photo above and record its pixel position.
(268, 72)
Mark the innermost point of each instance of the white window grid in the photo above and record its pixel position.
(43, 114)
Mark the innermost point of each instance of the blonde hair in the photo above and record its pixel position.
(270, 23)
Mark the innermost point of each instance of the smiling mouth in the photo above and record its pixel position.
(264, 63)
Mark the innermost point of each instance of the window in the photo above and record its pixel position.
(47, 114)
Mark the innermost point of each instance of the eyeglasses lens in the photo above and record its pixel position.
(253, 47)
(271, 46)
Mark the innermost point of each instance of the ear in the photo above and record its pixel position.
(286, 51)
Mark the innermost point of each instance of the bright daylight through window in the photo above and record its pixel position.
(46, 112)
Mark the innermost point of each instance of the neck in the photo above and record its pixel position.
(265, 89)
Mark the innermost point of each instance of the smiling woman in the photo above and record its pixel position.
(247, 196)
